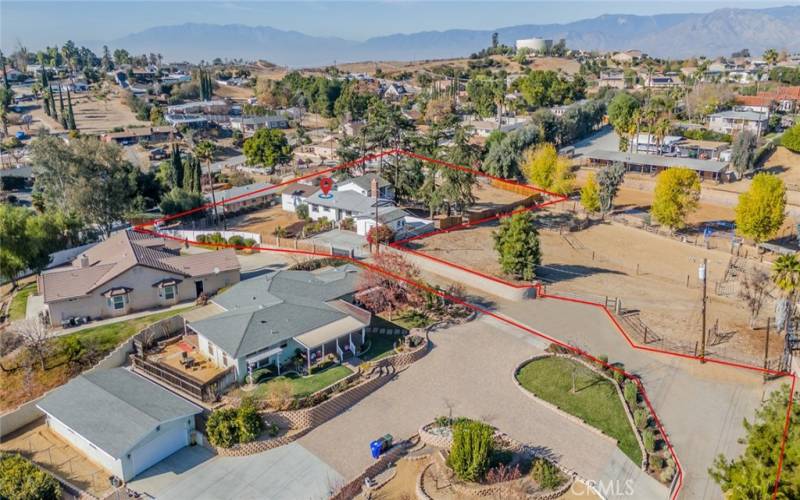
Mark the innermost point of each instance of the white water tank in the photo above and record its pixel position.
(538, 45)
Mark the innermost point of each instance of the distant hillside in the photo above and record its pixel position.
(667, 35)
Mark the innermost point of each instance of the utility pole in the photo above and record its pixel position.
(703, 272)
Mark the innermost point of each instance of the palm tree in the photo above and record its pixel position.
(771, 57)
(205, 151)
(786, 276)
(786, 273)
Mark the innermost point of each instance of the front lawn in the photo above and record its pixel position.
(302, 386)
(595, 401)
(380, 346)
(19, 303)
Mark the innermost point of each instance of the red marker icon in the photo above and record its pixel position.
(325, 184)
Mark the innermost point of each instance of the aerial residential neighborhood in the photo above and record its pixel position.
(395, 250)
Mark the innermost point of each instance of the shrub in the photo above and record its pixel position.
(656, 462)
(558, 349)
(236, 241)
(21, 479)
(222, 428)
(249, 422)
(249, 242)
(631, 393)
(791, 139)
(348, 224)
(649, 440)
(273, 430)
(471, 449)
(602, 362)
(619, 377)
(502, 473)
(201, 238)
(641, 418)
(280, 394)
(302, 211)
(668, 472)
(228, 426)
(546, 474)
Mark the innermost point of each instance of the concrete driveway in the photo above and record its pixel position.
(469, 372)
(286, 473)
(700, 406)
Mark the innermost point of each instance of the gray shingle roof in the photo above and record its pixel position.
(265, 311)
(365, 181)
(658, 161)
(114, 409)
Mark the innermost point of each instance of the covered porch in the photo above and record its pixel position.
(342, 339)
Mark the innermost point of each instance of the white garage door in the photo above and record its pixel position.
(164, 445)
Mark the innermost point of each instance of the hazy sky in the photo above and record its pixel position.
(39, 23)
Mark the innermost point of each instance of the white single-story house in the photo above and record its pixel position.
(120, 420)
(132, 271)
(278, 319)
(249, 124)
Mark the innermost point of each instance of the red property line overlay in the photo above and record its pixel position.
(142, 228)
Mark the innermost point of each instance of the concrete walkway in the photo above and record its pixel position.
(286, 473)
(66, 331)
(469, 373)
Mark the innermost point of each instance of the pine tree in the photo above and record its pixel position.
(70, 114)
(46, 103)
(177, 167)
(517, 245)
(53, 111)
(60, 98)
(188, 176)
(197, 177)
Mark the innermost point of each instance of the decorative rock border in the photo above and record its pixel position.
(578, 420)
(432, 439)
(497, 490)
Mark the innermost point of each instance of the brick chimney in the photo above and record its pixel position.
(374, 187)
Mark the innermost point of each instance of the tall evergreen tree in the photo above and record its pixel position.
(46, 102)
(197, 177)
(54, 113)
(70, 114)
(177, 167)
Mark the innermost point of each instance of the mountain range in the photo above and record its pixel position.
(716, 33)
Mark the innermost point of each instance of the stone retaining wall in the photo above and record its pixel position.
(259, 446)
(353, 487)
(434, 440)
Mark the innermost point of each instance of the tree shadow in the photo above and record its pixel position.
(559, 273)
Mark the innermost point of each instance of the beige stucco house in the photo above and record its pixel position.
(132, 272)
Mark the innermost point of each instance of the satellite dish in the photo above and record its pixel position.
(216, 270)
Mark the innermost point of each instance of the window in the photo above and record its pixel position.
(169, 292)
(117, 302)
(210, 349)
(224, 360)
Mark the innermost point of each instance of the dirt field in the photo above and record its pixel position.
(263, 222)
(91, 115)
(646, 271)
(787, 166)
(36, 442)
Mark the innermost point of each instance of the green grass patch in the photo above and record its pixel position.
(380, 346)
(304, 386)
(19, 303)
(596, 400)
(107, 337)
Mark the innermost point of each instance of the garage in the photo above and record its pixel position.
(120, 420)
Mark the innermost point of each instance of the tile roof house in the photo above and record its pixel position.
(130, 272)
(268, 321)
(120, 420)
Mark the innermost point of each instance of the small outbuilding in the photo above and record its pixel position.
(120, 420)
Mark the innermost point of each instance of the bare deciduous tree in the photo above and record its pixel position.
(36, 339)
(755, 289)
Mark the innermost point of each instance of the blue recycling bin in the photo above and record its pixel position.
(20, 135)
(376, 447)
